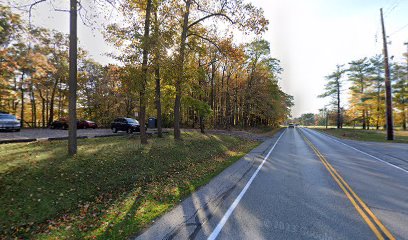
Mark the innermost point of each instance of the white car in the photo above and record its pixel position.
(9, 122)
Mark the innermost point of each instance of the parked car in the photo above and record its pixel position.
(9, 122)
(61, 123)
(86, 124)
(125, 124)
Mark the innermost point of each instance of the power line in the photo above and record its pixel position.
(392, 8)
(400, 29)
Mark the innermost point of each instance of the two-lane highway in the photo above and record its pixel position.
(312, 186)
(382, 185)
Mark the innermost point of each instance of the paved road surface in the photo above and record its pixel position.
(343, 194)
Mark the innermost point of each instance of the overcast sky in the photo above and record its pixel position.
(309, 37)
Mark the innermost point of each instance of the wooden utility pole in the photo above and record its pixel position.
(72, 121)
(388, 97)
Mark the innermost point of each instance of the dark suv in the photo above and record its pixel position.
(61, 123)
(125, 124)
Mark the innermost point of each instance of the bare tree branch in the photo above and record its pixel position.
(208, 40)
(209, 16)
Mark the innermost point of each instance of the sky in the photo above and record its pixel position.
(309, 37)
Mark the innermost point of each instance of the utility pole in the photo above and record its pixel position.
(388, 97)
(72, 121)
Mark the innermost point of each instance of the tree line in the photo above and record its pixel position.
(366, 94)
(174, 65)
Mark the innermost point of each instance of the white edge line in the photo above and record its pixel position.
(227, 214)
(358, 150)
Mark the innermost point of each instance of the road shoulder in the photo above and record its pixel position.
(185, 220)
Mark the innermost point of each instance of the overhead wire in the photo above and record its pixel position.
(392, 8)
(399, 30)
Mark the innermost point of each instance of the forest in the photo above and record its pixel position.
(183, 70)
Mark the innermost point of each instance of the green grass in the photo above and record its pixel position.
(112, 189)
(366, 135)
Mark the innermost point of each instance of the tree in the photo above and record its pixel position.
(73, 53)
(227, 84)
(378, 92)
(333, 89)
(193, 14)
(11, 27)
(358, 73)
(146, 50)
(307, 119)
(400, 90)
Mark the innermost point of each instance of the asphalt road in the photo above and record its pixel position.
(310, 186)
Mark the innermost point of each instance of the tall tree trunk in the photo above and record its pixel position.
(213, 92)
(146, 49)
(228, 104)
(42, 108)
(54, 90)
(60, 102)
(42, 112)
(33, 107)
(235, 114)
(364, 107)
(158, 102)
(157, 77)
(22, 100)
(47, 106)
(180, 77)
(201, 120)
(247, 104)
(338, 105)
(404, 118)
(368, 120)
(221, 115)
(377, 125)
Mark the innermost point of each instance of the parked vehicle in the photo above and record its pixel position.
(125, 124)
(86, 124)
(61, 123)
(9, 122)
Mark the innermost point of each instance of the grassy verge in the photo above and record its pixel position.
(269, 132)
(366, 135)
(112, 189)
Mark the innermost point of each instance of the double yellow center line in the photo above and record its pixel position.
(372, 221)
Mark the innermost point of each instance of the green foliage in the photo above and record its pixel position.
(307, 119)
(202, 108)
(10, 25)
(367, 96)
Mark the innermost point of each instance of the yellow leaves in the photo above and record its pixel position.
(41, 65)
